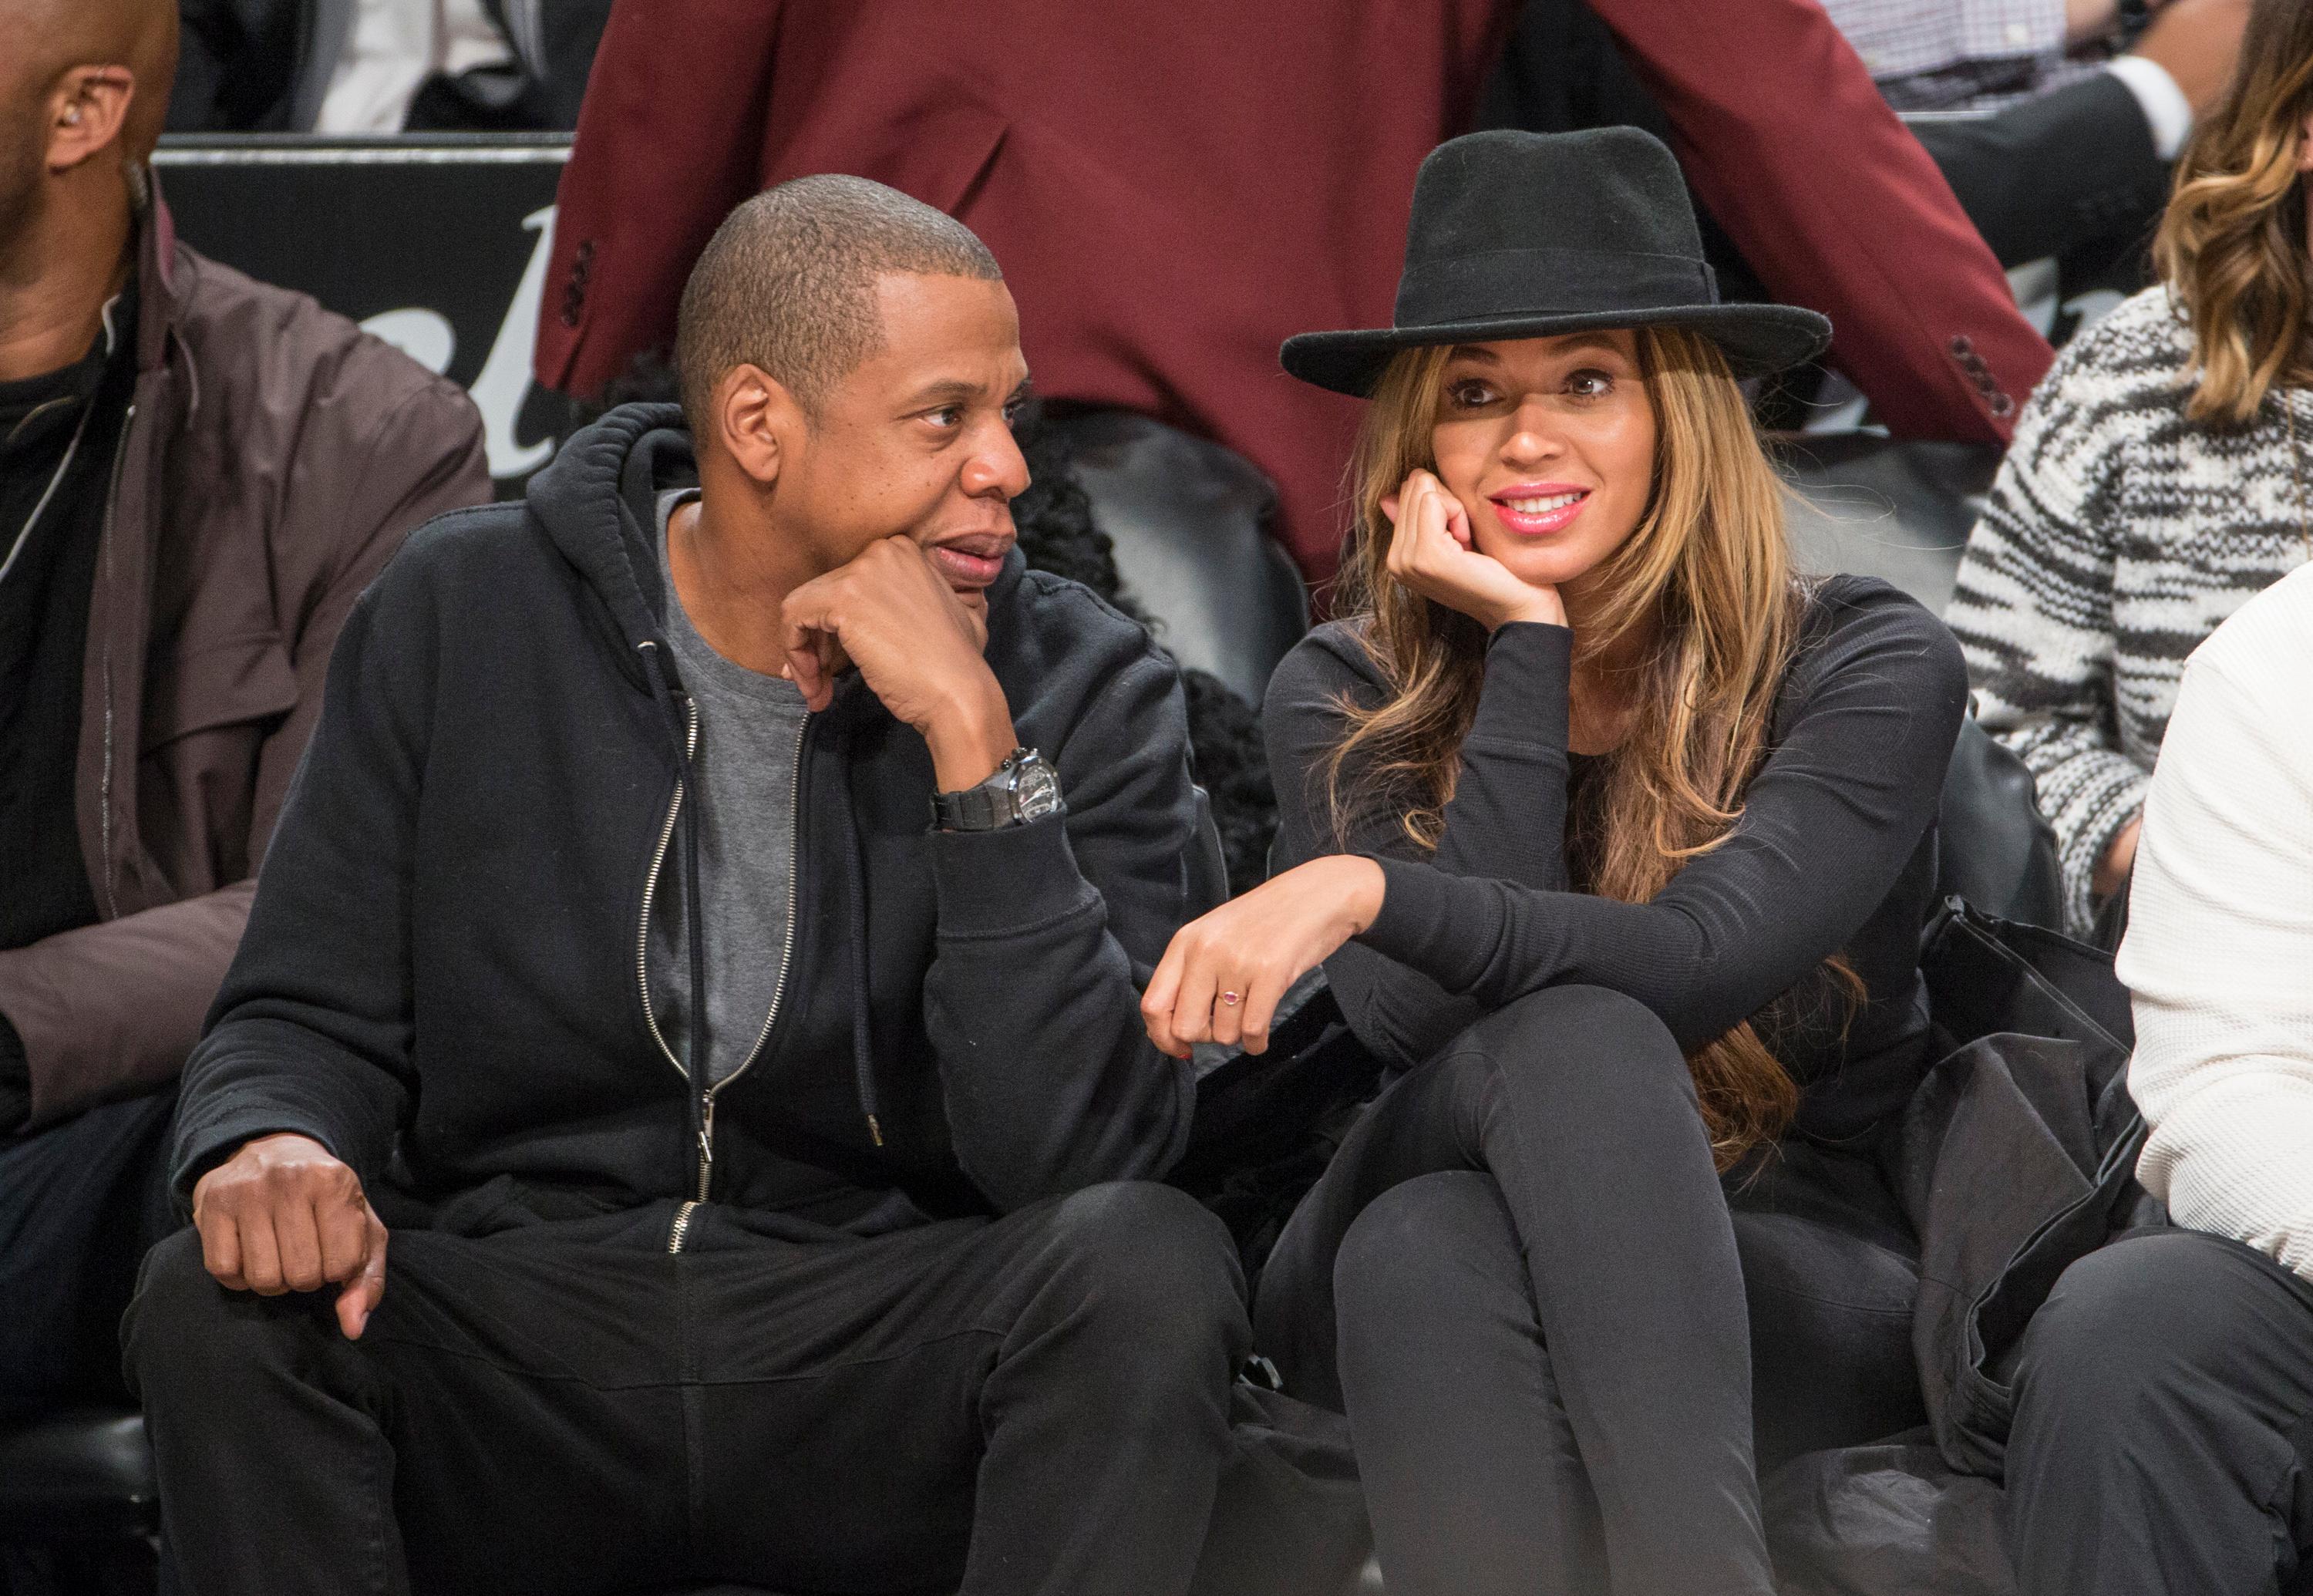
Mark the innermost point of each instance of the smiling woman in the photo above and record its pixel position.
(1616, 838)
(1558, 439)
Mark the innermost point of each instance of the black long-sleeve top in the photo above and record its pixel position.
(1835, 853)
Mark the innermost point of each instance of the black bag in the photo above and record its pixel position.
(1267, 1125)
(2017, 1156)
(1290, 1518)
(1994, 848)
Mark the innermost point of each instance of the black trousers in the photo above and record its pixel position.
(1547, 1315)
(2163, 1437)
(1035, 1403)
(79, 1204)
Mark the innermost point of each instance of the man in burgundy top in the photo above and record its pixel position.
(1170, 201)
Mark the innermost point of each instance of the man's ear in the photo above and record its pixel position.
(759, 419)
(86, 111)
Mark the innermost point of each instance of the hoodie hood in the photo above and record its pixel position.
(596, 500)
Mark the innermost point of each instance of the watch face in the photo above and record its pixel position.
(1035, 788)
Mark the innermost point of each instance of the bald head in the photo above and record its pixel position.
(83, 95)
(787, 283)
(58, 36)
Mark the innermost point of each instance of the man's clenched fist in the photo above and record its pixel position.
(283, 1215)
(919, 646)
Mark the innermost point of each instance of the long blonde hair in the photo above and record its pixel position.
(1707, 571)
(2232, 243)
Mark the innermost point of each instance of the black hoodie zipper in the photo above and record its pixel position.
(701, 1097)
(683, 1215)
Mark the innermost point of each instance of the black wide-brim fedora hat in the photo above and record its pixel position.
(1531, 234)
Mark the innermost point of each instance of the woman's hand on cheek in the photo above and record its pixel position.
(1252, 949)
(1433, 551)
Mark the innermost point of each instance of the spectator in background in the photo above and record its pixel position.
(1977, 55)
(198, 474)
(384, 66)
(1170, 202)
(2084, 103)
(2158, 479)
(2077, 174)
(2163, 1439)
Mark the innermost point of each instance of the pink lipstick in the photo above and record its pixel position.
(1538, 509)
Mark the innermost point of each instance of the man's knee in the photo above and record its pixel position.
(175, 1286)
(1150, 1260)
(183, 1327)
(2171, 1319)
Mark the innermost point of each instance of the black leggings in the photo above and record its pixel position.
(1549, 1308)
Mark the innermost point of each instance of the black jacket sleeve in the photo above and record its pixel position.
(1047, 932)
(1865, 723)
(1507, 819)
(312, 1030)
(2047, 174)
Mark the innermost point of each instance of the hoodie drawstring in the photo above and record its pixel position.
(693, 933)
(854, 866)
(863, 1053)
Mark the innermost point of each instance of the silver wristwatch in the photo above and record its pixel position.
(1022, 788)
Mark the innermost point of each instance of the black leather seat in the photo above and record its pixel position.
(83, 1475)
(1994, 847)
(1189, 520)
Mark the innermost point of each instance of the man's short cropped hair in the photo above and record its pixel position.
(787, 283)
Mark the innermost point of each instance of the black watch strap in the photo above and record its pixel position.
(1022, 790)
(973, 809)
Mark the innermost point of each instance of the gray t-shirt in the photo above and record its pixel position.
(750, 737)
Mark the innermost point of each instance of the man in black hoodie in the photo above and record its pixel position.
(706, 933)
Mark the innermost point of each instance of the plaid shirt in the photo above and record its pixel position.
(1956, 55)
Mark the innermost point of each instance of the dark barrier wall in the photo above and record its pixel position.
(436, 244)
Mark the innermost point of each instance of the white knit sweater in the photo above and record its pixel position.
(2219, 945)
(2118, 535)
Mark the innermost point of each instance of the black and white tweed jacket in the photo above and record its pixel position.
(2117, 537)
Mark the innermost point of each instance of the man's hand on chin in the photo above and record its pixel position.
(283, 1215)
(919, 645)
